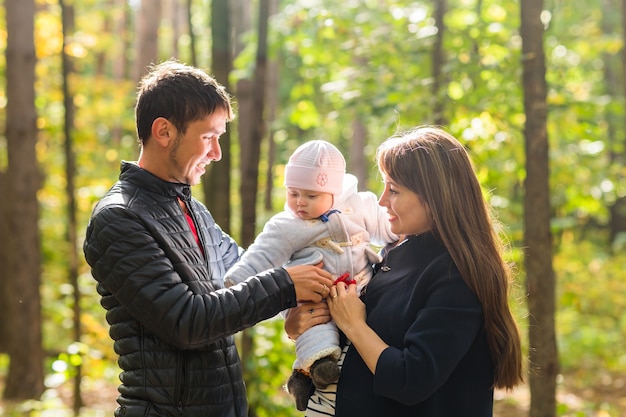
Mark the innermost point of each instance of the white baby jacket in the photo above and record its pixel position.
(343, 242)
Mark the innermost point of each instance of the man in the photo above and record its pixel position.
(159, 259)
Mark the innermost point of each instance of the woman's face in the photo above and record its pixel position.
(408, 214)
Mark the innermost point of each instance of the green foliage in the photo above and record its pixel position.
(591, 321)
(369, 60)
(269, 367)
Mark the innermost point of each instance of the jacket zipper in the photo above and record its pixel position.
(181, 386)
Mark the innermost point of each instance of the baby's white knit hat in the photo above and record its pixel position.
(317, 166)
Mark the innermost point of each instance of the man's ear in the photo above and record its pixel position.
(162, 131)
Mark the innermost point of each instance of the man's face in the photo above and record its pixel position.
(191, 152)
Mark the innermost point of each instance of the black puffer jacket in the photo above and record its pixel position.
(171, 319)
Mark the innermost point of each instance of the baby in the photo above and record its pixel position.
(325, 219)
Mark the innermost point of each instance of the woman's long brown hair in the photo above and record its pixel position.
(436, 166)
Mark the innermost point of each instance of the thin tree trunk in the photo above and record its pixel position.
(272, 86)
(148, 22)
(217, 181)
(25, 376)
(617, 151)
(272, 105)
(242, 23)
(174, 18)
(122, 22)
(107, 25)
(67, 13)
(4, 263)
(540, 277)
(438, 64)
(192, 35)
(250, 166)
(119, 61)
(240, 13)
(251, 134)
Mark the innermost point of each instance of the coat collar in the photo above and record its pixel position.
(133, 173)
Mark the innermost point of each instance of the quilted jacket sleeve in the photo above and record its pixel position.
(132, 267)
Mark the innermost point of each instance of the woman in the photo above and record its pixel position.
(433, 333)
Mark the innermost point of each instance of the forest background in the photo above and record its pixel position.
(352, 72)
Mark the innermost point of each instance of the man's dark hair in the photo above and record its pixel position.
(180, 94)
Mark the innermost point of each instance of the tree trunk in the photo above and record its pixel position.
(148, 22)
(121, 23)
(4, 263)
(438, 57)
(272, 104)
(251, 156)
(217, 181)
(617, 151)
(192, 35)
(107, 28)
(540, 277)
(67, 13)
(250, 136)
(241, 23)
(25, 377)
(174, 17)
(119, 61)
(240, 13)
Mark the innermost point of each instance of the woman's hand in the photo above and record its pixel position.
(304, 316)
(349, 314)
(346, 308)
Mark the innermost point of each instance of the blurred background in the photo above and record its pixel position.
(534, 89)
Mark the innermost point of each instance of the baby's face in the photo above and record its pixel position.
(307, 204)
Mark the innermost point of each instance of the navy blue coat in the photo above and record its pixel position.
(170, 318)
(438, 363)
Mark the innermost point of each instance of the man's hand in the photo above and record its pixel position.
(311, 282)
